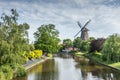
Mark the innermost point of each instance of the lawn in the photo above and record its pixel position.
(115, 65)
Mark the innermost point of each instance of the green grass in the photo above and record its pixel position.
(115, 65)
(79, 53)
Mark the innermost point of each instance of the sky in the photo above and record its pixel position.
(104, 15)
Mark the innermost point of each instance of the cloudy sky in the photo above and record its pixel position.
(104, 15)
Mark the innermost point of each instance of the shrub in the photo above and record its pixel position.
(31, 55)
(7, 71)
(38, 53)
(2, 76)
(25, 55)
(20, 71)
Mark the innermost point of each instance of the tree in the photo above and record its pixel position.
(82, 45)
(13, 38)
(47, 38)
(111, 49)
(97, 45)
(77, 42)
(67, 43)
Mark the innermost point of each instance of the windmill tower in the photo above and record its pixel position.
(84, 31)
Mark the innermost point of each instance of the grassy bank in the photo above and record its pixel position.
(98, 60)
(115, 65)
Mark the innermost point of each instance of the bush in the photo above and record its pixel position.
(2, 76)
(20, 71)
(31, 55)
(25, 55)
(38, 53)
(7, 71)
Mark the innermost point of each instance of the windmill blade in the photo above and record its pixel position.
(79, 24)
(77, 33)
(86, 23)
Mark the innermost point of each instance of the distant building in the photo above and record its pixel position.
(69, 49)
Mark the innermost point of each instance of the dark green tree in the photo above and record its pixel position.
(47, 38)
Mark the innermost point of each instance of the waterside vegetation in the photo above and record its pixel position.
(15, 49)
(106, 51)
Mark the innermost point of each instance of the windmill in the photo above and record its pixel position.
(84, 31)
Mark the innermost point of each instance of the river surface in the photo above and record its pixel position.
(67, 69)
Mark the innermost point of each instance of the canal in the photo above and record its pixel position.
(67, 69)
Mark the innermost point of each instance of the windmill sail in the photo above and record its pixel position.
(77, 33)
(84, 31)
(79, 24)
(86, 23)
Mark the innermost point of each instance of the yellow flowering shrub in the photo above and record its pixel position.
(31, 55)
(38, 53)
(25, 56)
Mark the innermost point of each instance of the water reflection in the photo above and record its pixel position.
(97, 72)
(68, 69)
(45, 71)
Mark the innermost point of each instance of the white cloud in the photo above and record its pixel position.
(105, 19)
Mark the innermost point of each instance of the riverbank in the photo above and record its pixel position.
(115, 66)
(101, 63)
(32, 63)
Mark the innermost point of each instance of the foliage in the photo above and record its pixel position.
(77, 42)
(82, 45)
(6, 72)
(97, 45)
(38, 53)
(47, 38)
(85, 46)
(25, 55)
(111, 49)
(2, 76)
(67, 43)
(33, 54)
(13, 39)
(13, 43)
(20, 71)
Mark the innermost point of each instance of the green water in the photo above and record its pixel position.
(67, 69)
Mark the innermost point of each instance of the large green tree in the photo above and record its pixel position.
(47, 38)
(111, 49)
(13, 38)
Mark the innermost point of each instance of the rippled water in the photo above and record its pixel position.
(67, 69)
